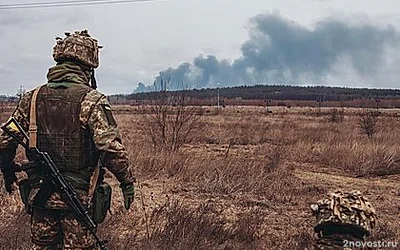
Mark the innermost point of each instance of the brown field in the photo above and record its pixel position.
(243, 179)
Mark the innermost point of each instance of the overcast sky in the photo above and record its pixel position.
(142, 39)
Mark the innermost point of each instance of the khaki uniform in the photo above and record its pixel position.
(55, 225)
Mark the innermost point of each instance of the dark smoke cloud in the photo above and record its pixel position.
(284, 52)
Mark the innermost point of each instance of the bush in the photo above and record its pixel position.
(171, 123)
(368, 123)
(336, 115)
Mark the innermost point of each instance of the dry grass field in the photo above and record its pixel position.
(239, 177)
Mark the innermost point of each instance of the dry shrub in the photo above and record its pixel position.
(171, 122)
(169, 127)
(369, 123)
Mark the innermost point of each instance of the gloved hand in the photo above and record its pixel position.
(9, 177)
(128, 190)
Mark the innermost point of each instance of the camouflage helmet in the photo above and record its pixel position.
(78, 46)
(347, 209)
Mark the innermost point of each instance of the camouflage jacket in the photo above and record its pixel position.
(93, 116)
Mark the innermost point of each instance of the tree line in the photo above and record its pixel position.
(280, 92)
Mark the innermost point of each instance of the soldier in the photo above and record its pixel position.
(344, 219)
(73, 122)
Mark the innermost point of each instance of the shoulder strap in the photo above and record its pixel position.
(32, 119)
(93, 181)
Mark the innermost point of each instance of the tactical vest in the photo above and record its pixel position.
(61, 134)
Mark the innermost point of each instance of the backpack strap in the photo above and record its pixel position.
(32, 119)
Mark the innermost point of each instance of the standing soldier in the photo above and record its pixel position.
(344, 219)
(73, 122)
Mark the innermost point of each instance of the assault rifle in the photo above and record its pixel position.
(54, 178)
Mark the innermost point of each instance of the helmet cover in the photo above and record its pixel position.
(78, 46)
(345, 208)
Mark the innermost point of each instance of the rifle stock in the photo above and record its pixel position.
(66, 190)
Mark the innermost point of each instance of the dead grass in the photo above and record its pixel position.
(240, 175)
(174, 225)
(245, 182)
(340, 146)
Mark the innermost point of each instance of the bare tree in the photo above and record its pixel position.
(171, 122)
(368, 123)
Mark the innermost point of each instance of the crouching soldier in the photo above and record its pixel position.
(344, 219)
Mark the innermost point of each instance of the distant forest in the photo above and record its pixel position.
(274, 95)
(278, 95)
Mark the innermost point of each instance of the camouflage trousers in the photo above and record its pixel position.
(59, 229)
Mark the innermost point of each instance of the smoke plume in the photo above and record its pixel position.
(280, 51)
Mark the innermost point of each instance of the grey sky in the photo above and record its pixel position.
(142, 39)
